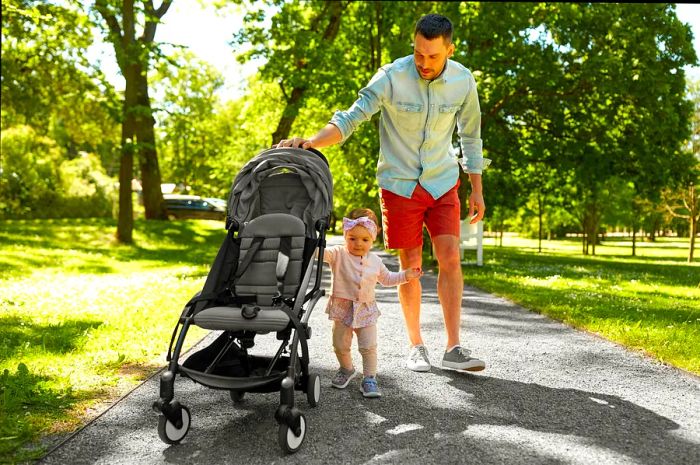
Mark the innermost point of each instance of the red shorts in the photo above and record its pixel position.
(403, 218)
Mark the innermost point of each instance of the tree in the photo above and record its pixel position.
(576, 89)
(134, 56)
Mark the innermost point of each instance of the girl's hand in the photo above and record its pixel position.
(414, 273)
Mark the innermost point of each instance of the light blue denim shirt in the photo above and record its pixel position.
(417, 121)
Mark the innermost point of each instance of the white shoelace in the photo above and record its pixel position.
(465, 352)
(421, 352)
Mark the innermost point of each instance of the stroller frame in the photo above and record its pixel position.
(284, 373)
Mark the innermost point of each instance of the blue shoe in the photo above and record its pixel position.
(369, 387)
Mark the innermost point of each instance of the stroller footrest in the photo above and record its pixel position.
(232, 319)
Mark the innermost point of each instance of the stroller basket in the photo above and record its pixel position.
(266, 278)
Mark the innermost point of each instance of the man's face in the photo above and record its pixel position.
(431, 55)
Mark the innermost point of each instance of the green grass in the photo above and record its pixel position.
(84, 319)
(649, 303)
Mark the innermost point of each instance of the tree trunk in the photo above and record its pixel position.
(693, 233)
(125, 222)
(125, 219)
(148, 157)
(290, 113)
(539, 219)
(137, 125)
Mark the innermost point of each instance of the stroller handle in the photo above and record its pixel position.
(318, 153)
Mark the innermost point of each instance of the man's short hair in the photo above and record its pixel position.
(433, 26)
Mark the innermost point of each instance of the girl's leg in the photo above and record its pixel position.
(342, 341)
(367, 343)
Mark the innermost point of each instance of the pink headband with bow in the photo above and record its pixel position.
(363, 221)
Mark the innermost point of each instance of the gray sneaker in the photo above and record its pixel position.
(342, 378)
(460, 358)
(418, 358)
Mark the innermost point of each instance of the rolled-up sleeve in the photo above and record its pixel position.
(469, 130)
(368, 103)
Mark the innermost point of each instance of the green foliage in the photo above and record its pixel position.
(87, 190)
(29, 181)
(38, 182)
(47, 82)
(571, 90)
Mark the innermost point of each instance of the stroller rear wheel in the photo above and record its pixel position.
(169, 433)
(313, 389)
(289, 440)
(237, 396)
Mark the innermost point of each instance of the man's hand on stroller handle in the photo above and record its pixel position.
(294, 142)
(329, 135)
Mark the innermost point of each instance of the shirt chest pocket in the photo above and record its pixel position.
(446, 116)
(409, 116)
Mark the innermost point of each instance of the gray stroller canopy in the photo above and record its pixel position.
(295, 181)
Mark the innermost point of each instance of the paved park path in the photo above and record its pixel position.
(549, 395)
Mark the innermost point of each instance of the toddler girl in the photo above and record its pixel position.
(355, 271)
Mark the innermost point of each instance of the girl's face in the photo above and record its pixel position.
(358, 241)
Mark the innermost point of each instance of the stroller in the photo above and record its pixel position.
(278, 213)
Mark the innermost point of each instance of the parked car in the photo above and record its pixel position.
(194, 206)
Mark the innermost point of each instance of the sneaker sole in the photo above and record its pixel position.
(343, 386)
(370, 395)
(468, 367)
(419, 368)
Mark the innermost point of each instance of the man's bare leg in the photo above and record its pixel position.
(410, 294)
(450, 284)
(450, 287)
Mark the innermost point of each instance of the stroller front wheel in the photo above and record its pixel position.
(288, 439)
(169, 433)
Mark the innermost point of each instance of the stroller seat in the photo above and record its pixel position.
(266, 278)
(269, 269)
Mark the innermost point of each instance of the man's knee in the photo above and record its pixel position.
(411, 258)
(447, 252)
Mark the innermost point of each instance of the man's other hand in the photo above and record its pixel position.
(477, 208)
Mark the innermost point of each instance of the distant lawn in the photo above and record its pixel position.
(650, 302)
(83, 319)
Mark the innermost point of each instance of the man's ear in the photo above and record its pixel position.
(450, 50)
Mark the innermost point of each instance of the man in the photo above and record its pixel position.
(421, 97)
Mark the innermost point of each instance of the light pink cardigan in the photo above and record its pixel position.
(354, 278)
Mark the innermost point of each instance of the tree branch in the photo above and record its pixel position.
(163, 8)
(111, 20)
(284, 91)
(149, 30)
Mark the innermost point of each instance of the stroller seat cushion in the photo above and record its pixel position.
(231, 319)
